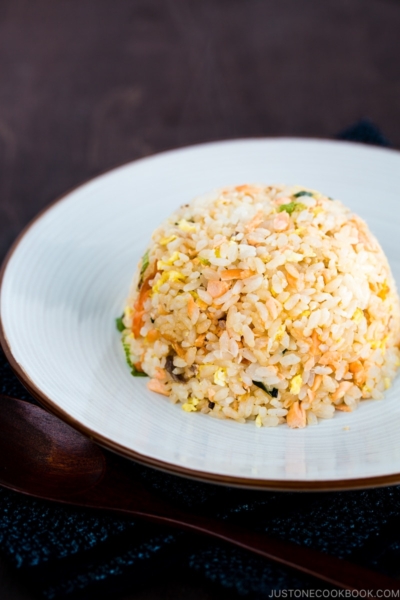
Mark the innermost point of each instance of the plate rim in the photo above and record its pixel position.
(327, 485)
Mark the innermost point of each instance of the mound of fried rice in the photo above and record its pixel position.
(270, 304)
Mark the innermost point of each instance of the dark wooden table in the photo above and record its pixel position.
(86, 85)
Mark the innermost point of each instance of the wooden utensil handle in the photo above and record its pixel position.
(118, 492)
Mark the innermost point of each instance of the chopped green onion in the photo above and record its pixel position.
(137, 373)
(119, 323)
(145, 262)
(291, 207)
(204, 261)
(302, 193)
(134, 371)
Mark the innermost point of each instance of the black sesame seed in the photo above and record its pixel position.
(211, 405)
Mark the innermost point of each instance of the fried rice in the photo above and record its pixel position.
(269, 304)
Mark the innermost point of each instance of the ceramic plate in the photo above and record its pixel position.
(66, 279)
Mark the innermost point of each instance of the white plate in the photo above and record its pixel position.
(67, 277)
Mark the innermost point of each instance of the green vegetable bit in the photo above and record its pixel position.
(134, 371)
(204, 261)
(137, 373)
(303, 193)
(291, 207)
(273, 392)
(145, 262)
(119, 323)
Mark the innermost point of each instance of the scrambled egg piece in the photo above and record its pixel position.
(358, 315)
(280, 333)
(295, 384)
(375, 344)
(161, 264)
(166, 240)
(190, 405)
(186, 226)
(220, 377)
(384, 290)
(167, 276)
(293, 256)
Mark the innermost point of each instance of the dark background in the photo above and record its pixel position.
(86, 85)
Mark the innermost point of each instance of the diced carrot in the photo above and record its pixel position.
(383, 292)
(200, 340)
(180, 352)
(160, 373)
(359, 373)
(137, 322)
(236, 274)
(153, 335)
(344, 386)
(311, 393)
(191, 306)
(343, 408)
(355, 367)
(138, 306)
(315, 343)
(217, 288)
(138, 366)
(296, 416)
(246, 188)
(291, 280)
(157, 386)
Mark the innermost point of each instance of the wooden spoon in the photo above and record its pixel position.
(44, 457)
